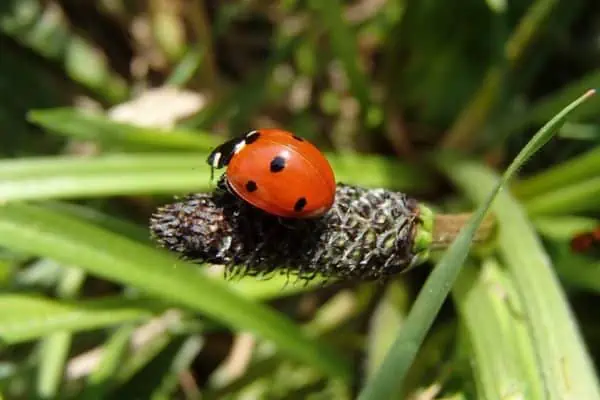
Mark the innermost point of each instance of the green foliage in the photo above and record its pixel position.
(564, 365)
(30, 317)
(92, 309)
(401, 355)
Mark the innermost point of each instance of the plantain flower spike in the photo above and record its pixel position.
(368, 234)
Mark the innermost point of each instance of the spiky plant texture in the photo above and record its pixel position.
(368, 234)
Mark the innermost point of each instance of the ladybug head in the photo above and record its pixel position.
(223, 153)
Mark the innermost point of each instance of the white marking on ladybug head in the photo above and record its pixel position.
(250, 134)
(216, 159)
(239, 146)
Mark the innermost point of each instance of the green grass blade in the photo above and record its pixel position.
(563, 228)
(571, 171)
(96, 217)
(140, 359)
(387, 317)
(182, 361)
(54, 349)
(565, 367)
(113, 354)
(34, 167)
(502, 356)
(187, 67)
(569, 199)
(28, 317)
(76, 124)
(69, 177)
(65, 177)
(390, 376)
(36, 230)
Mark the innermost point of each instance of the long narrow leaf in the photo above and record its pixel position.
(575, 198)
(26, 317)
(72, 123)
(569, 172)
(54, 348)
(114, 353)
(54, 351)
(566, 369)
(129, 174)
(390, 376)
(503, 359)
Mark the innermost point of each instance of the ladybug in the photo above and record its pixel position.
(277, 172)
(584, 242)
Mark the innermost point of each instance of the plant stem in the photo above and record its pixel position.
(447, 226)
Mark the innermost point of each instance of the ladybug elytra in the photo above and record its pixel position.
(277, 172)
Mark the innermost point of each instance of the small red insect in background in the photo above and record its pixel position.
(585, 241)
(278, 172)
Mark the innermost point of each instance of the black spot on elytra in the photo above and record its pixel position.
(251, 186)
(300, 204)
(277, 164)
(252, 137)
(298, 138)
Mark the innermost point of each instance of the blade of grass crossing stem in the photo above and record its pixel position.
(36, 230)
(503, 358)
(388, 380)
(565, 367)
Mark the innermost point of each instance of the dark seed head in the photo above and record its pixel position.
(367, 234)
(277, 164)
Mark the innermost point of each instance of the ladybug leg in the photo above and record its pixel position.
(222, 184)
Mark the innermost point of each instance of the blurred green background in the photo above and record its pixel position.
(108, 108)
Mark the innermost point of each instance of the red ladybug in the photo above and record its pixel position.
(278, 172)
(586, 241)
